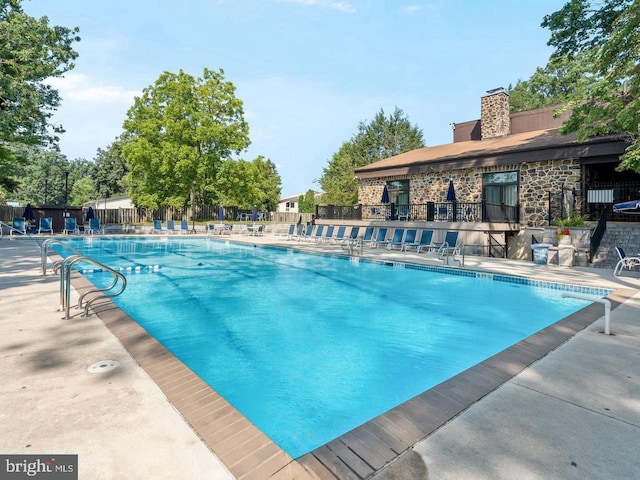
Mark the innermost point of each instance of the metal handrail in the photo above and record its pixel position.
(603, 301)
(65, 284)
(44, 248)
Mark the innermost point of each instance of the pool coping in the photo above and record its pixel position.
(356, 455)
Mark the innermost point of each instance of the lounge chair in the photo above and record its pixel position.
(299, 232)
(308, 231)
(94, 227)
(328, 234)
(157, 226)
(368, 235)
(425, 242)
(340, 235)
(45, 224)
(396, 240)
(171, 226)
(289, 234)
(70, 226)
(625, 262)
(19, 226)
(410, 237)
(184, 226)
(380, 238)
(318, 235)
(353, 234)
(450, 246)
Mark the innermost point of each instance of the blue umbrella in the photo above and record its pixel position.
(451, 193)
(385, 195)
(254, 215)
(220, 214)
(90, 214)
(627, 207)
(28, 213)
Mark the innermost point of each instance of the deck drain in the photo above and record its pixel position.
(103, 366)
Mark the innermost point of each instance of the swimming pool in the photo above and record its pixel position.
(309, 347)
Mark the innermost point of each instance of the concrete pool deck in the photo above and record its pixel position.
(573, 414)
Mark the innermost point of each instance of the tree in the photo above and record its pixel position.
(563, 80)
(110, 171)
(609, 37)
(307, 202)
(179, 131)
(82, 191)
(248, 184)
(30, 52)
(42, 178)
(382, 138)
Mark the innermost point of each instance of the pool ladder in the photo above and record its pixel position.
(116, 287)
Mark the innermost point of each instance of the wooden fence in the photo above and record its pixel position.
(133, 216)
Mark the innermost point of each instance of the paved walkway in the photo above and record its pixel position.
(574, 414)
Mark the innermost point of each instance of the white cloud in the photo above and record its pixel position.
(345, 7)
(81, 88)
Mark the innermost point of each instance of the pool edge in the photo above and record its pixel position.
(358, 454)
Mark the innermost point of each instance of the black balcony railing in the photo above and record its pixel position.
(429, 212)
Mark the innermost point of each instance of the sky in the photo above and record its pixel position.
(308, 71)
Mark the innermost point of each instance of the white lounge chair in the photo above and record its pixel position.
(625, 262)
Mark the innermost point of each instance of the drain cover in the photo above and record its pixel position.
(103, 366)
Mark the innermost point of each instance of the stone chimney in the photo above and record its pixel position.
(494, 114)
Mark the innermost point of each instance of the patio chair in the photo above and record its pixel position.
(353, 235)
(171, 226)
(318, 235)
(450, 246)
(425, 242)
(379, 239)
(368, 235)
(396, 240)
(299, 231)
(19, 226)
(94, 227)
(339, 235)
(328, 234)
(70, 226)
(405, 214)
(308, 231)
(410, 237)
(184, 226)
(45, 224)
(625, 262)
(289, 234)
(157, 226)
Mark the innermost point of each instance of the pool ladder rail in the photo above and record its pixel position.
(116, 287)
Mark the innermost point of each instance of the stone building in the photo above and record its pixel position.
(513, 169)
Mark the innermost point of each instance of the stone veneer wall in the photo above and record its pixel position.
(536, 180)
(494, 115)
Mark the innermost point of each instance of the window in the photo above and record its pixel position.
(399, 192)
(500, 194)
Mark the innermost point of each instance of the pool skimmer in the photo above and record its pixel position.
(103, 366)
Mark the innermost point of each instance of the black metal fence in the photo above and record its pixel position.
(601, 197)
(430, 212)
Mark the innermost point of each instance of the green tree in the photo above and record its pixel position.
(307, 202)
(179, 131)
(381, 138)
(247, 184)
(563, 80)
(110, 171)
(82, 191)
(42, 178)
(609, 36)
(30, 52)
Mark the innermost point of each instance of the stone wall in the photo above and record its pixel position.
(536, 180)
(494, 115)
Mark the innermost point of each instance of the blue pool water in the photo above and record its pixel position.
(308, 347)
